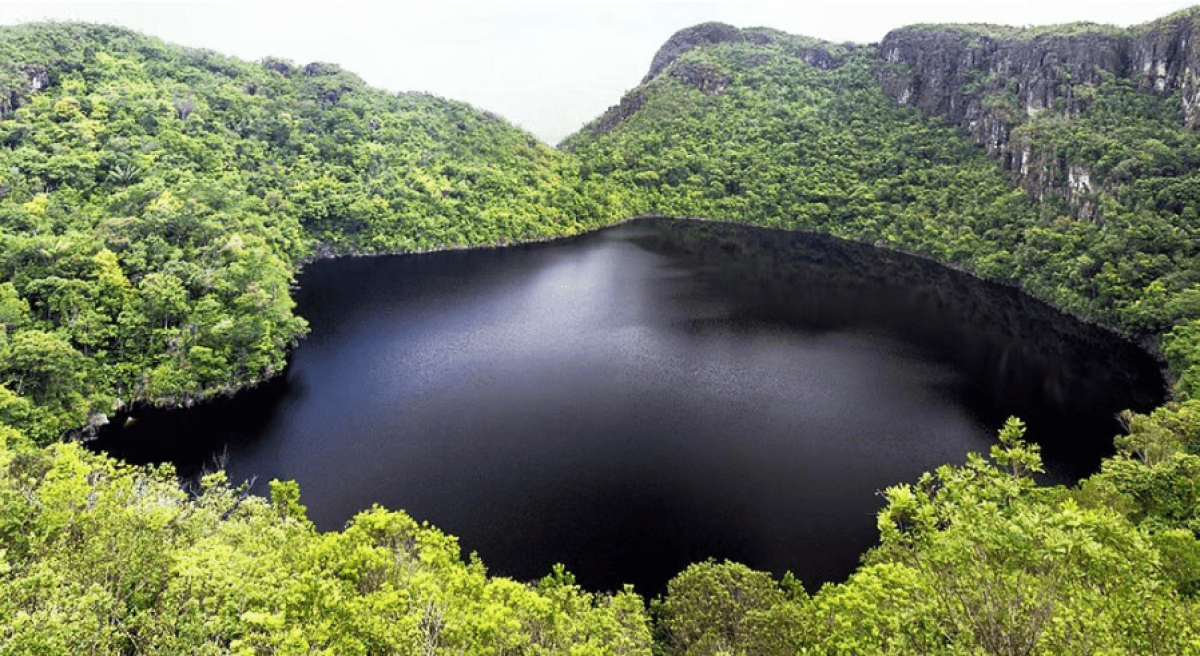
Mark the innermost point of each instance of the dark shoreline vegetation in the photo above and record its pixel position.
(155, 202)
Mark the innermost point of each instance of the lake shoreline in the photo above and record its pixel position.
(625, 367)
(1148, 343)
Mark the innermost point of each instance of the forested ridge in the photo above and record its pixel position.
(156, 201)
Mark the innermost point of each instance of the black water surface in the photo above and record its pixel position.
(654, 394)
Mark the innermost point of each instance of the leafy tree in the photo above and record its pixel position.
(709, 608)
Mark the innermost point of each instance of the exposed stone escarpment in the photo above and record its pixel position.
(1164, 59)
(13, 96)
(705, 79)
(989, 86)
(615, 115)
(687, 39)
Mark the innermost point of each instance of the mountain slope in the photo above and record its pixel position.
(785, 131)
(752, 131)
(1103, 118)
(155, 201)
(1061, 159)
(1038, 157)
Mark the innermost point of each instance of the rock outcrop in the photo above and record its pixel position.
(1165, 60)
(35, 79)
(687, 39)
(820, 57)
(615, 115)
(987, 80)
(989, 85)
(707, 80)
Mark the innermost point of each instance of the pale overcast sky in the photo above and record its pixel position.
(547, 66)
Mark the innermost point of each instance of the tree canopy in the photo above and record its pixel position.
(157, 201)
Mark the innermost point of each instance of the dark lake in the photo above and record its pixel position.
(650, 395)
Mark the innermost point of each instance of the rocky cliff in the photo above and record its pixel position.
(688, 39)
(1164, 59)
(1008, 88)
(19, 86)
(990, 80)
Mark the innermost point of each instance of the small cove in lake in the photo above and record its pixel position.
(649, 395)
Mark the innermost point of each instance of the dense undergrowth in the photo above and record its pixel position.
(155, 202)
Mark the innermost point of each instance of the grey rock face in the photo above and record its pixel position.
(988, 87)
(615, 115)
(687, 39)
(36, 79)
(1164, 60)
(708, 81)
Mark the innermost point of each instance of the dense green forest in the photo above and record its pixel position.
(156, 201)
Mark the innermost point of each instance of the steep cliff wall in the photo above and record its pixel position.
(990, 80)
(988, 86)
(1164, 58)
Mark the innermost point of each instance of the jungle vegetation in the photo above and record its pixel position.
(156, 202)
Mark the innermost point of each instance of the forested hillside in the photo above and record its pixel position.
(156, 201)
(1082, 189)
(783, 131)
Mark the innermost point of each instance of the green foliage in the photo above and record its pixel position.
(1181, 345)
(98, 557)
(972, 31)
(791, 145)
(715, 608)
(1019, 457)
(155, 202)
(973, 559)
(1013, 569)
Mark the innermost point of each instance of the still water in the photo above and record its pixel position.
(650, 395)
